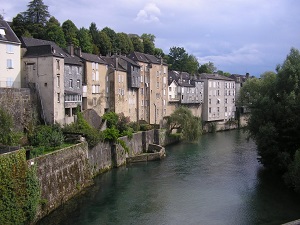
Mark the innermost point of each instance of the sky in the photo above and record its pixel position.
(238, 36)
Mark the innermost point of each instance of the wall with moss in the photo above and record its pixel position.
(62, 174)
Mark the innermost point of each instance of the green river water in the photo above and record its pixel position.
(215, 181)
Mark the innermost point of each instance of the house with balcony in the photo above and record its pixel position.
(219, 98)
(153, 94)
(56, 77)
(185, 90)
(10, 67)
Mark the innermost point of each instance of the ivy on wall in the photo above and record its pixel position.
(19, 189)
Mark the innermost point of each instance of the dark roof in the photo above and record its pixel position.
(181, 78)
(146, 58)
(92, 58)
(129, 60)
(214, 77)
(111, 61)
(38, 47)
(9, 35)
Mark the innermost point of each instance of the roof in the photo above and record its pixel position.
(38, 47)
(214, 77)
(7, 34)
(181, 78)
(92, 58)
(111, 61)
(146, 58)
(129, 60)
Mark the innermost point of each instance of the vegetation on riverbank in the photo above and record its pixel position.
(274, 123)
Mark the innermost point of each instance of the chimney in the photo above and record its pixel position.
(71, 49)
(247, 75)
(78, 52)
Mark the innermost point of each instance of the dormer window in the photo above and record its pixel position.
(2, 31)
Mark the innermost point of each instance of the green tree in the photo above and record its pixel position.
(113, 38)
(124, 43)
(55, 33)
(158, 52)
(178, 58)
(207, 68)
(148, 46)
(274, 124)
(70, 32)
(19, 25)
(137, 44)
(192, 64)
(85, 40)
(37, 12)
(105, 45)
(183, 121)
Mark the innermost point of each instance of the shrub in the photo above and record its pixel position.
(111, 119)
(7, 135)
(48, 136)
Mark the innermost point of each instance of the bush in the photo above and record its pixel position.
(111, 119)
(7, 135)
(48, 136)
(145, 127)
(110, 134)
(135, 126)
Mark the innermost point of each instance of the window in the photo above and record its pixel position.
(58, 81)
(142, 91)
(218, 109)
(142, 78)
(9, 64)
(165, 111)
(97, 75)
(78, 83)
(71, 83)
(93, 76)
(209, 109)
(57, 64)
(58, 97)
(226, 101)
(157, 84)
(164, 80)
(164, 102)
(165, 69)
(164, 92)
(94, 101)
(218, 92)
(142, 104)
(9, 48)
(225, 109)
(209, 100)
(170, 88)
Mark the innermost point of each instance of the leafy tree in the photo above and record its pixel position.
(192, 64)
(183, 121)
(148, 46)
(37, 12)
(158, 52)
(150, 37)
(178, 59)
(207, 68)
(274, 102)
(124, 43)
(137, 44)
(105, 45)
(85, 40)
(19, 25)
(94, 32)
(70, 32)
(111, 119)
(55, 33)
(113, 38)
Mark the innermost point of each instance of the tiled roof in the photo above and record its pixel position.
(214, 77)
(92, 58)
(111, 61)
(7, 34)
(38, 47)
(129, 60)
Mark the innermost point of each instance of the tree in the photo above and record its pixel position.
(183, 121)
(70, 32)
(105, 45)
(137, 44)
(192, 64)
(158, 52)
(37, 12)
(19, 25)
(55, 33)
(85, 40)
(178, 59)
(124, 43)
(148, 46)
(207, 68)
(274, 102)
(113, 38)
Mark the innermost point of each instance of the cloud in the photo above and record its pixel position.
(148, 14)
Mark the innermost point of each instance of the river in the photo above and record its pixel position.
(215, 181)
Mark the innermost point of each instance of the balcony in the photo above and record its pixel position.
(175, 99)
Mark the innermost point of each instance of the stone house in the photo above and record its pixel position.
(219, 98)
(95, 90)
(153, 94)
(10, 68)
(55, 75)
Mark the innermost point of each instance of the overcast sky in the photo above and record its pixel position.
(238, 36)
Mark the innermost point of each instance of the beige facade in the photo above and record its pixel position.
(46, 76)
(10, 68)
(95, 92)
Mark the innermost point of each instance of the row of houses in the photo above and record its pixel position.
(138, 85)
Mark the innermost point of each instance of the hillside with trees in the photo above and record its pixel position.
(37, 22)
